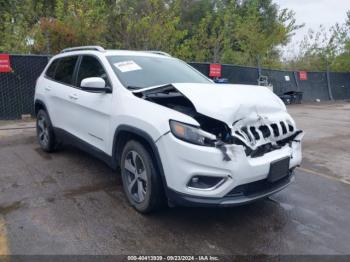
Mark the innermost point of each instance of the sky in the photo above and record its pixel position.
(313, 13)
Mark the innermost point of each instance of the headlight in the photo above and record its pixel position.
(191, 134)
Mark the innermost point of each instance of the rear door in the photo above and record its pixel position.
(59, 92)
(93, 108)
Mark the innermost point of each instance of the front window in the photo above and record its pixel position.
(91, 67)
(137, 72)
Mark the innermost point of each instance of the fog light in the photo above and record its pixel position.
(205, 182)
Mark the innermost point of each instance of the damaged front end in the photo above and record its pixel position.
(258, 133)
(263, 135)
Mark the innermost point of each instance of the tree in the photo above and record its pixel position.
(17, 19)
(75, 23)
(13, 27)
(242, 32)
(342, 60)
(207, 41)
(324, 49)
(261, 28)
(320, 50)
(152, 25)
(226, 31)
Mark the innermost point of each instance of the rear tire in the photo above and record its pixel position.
(141, 180)
(45, 133)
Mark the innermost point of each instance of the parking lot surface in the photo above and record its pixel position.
(71, 203)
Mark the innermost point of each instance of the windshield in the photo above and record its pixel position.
(137, 72)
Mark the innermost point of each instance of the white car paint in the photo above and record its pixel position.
(229, 103)
(94, 117)
(196, 160)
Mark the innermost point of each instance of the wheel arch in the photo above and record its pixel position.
(38, 104)
(123, 134)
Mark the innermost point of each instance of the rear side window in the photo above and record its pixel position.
(91, 67)
(65, 69)
(50, 72)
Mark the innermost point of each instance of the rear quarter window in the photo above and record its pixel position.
(50, 72)
(65, 69)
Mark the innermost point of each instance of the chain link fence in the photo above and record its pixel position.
(17, 88)
(340, 85)
(315, 87)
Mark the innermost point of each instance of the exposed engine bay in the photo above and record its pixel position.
(257, 135)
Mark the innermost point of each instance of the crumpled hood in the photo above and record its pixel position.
(231, 103)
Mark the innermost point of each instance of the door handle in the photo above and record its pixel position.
(73, 97)
(47, 88)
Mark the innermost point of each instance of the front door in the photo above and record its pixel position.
(93, 109)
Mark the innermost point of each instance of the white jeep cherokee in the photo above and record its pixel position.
(175, 134)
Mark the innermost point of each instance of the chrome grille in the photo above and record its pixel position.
(272, 131)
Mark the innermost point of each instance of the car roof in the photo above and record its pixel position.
(111, 52)
(137, 53)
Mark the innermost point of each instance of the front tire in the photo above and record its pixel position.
(45, 133)
(141, 180)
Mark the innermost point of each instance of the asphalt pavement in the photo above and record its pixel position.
(70, 203)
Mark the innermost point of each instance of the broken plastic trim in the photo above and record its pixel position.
(221, 146)
(269, 147)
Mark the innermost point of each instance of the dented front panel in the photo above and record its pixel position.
(252, 129)
(251, 116)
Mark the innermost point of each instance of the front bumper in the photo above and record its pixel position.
(180, 199)
(182, 161)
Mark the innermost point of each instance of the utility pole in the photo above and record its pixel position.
(259, 65)
(47, 36)
(329, 82)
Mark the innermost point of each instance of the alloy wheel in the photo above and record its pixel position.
(43, 131)
(136, 176)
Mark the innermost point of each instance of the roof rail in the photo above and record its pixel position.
(157, 52)
(88, 47)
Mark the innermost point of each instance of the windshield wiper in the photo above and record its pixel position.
(156, 87)
(133, 87)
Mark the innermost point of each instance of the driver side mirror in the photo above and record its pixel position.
(96, 84)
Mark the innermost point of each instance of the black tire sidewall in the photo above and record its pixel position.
(51, 143)
(152, 196)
